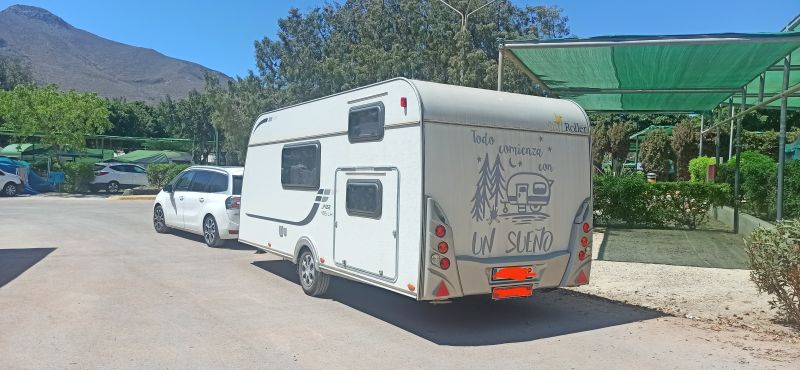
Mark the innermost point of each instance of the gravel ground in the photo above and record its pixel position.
(723, 296)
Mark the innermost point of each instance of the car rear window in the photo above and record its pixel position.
(237, 185)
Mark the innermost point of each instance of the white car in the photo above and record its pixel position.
(203, 200)
(115, 176)
(11, 184)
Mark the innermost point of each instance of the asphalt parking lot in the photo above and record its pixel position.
(87, 283)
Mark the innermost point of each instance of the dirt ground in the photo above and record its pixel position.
(723, 297)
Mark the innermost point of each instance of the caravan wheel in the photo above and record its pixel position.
(314, 282)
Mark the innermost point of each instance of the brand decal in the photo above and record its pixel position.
(559, 125)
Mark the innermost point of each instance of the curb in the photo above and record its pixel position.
(133, 197)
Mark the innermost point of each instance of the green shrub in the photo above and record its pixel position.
(774, 260)
(78, 176)
(631, 200)
(698, 168)
(791, 189)
(159, 175)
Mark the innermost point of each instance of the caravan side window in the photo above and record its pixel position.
(366, 123)
(364, 198)
(300, 166)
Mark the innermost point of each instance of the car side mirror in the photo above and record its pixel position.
(168, 188)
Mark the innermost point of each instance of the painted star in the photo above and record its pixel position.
(549, 148)
(558, 119)
(541, 138)
(479, 159)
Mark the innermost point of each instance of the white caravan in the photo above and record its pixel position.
(428, 190)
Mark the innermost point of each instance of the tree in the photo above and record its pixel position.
(339, 47)
(61, 119)
(193, 121)
(13, 72)
(619, 145)
(482, 190)
(684, 145)
(234, 109)
(656, 153)
(133, 119)
(600, 145)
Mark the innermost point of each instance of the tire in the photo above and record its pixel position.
(10, 190)
(159, 221)
(211, 232)
(112, 187)
(313, 281)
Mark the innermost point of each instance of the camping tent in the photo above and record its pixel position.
(153, 156)
(33, 183)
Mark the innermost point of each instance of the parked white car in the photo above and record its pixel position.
(112, 177)
(11, 184)
(203, 200)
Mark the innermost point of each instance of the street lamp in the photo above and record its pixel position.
(465, 17)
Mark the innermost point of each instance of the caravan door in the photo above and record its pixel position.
(365, 236)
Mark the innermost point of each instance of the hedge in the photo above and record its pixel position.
(759, 185)
(159, 175)
(774, 260)
(78, 176)
(630, 200)
(698, 168)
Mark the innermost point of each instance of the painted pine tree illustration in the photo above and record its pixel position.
(482, 188)
(496, 186)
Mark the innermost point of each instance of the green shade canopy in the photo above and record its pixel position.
(686, 73)
(153, 156)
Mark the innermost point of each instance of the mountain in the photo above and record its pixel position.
(75, 59)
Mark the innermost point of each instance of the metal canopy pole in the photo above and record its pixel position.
(702, 123)
(761, 79)
(782, 136)
(730, 142)
(736, 182)
(717, 143)
(500, 68)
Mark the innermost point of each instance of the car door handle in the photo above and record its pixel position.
(202, 200)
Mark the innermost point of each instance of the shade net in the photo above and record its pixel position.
(591, 75)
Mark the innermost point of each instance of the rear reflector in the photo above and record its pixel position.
(443, 247)
(582, 279)
(233, 232)
(441, 290)
(512, 292)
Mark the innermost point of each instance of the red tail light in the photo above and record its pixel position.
(584, 241)
(581, 255)
(100, 173)
(440, 231)
(233, 202)
(586, 227)
(444, 263)
(443, 247)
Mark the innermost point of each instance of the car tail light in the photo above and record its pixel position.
(586, 227)
(582, 255)
(443, 247)
(584, 241)
(233, 202)
(100, 173)
(440, 231)
(444, 263)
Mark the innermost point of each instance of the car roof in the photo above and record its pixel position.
(234, 171)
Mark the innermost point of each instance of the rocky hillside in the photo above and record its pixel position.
(75, 59)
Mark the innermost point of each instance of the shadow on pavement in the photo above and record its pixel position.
(230, 244)
(14, 262)
(477, 320)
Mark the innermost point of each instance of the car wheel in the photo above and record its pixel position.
(313, 281)
(211, 232)
(159, 221)
(112, 187)
(10, 189)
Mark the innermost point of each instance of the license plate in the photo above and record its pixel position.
(512, 291)
(513, 273)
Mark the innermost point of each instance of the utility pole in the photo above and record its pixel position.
(464, 19)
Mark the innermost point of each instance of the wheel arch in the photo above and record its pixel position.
(305, 242)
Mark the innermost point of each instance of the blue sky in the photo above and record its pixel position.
(220, 34)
